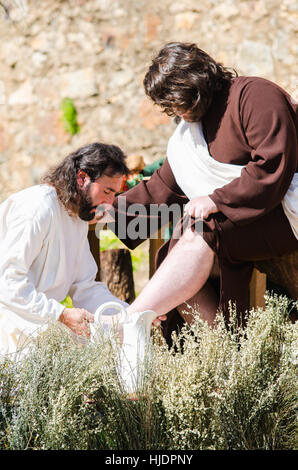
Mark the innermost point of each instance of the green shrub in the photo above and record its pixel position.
(69, 116)
(229, 388)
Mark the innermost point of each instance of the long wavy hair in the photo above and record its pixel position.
(183, 77)
(95, 159)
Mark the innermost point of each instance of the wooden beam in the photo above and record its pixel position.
(94, 247)
(257, 289)
(154, 245)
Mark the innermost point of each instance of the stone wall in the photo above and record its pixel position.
(97, 52)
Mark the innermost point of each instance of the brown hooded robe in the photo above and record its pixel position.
(250, 122)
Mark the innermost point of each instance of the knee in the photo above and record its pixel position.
(191, 237)
(194, 240)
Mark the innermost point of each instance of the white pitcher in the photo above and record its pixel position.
(135, 354)
(98, 314)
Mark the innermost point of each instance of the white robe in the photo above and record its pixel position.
(44, 256)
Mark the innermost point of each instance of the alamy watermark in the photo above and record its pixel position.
(139, 221)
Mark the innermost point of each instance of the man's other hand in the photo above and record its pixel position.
(200, 207)
(77, 319)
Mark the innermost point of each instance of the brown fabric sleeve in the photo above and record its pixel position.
(160, 189)
(268, 125)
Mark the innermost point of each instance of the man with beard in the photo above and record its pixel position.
(44, 249)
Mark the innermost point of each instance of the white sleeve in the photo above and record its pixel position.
(20, 246)
(85, 291)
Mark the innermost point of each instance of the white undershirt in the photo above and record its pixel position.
(199, 174)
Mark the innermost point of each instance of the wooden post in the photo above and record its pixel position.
(257, 289)
(94, 247)
(114, 267)
(282, 271)
(154, 245)
(116, 272)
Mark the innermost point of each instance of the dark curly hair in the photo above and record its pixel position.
(183, 77)
(95, 159)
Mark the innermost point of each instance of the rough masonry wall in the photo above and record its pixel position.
(96, 53)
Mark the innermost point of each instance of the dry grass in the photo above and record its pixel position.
(230, 388)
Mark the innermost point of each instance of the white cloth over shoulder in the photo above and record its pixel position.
(196, 172)
(290, 204)
(44, 256)
(199, 174)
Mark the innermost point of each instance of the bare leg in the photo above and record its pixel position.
(181, 275)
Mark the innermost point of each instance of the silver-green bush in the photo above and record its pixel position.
(217, 388)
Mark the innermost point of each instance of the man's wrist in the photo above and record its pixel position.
(62, 317)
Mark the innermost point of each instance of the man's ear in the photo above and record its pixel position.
(82, 177)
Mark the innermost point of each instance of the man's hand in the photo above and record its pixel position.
(200, 207)
(77, 319)
(102, 214)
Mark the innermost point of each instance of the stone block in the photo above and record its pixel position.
(151, 116)
(78, 84)
(226, 10)
(186, 20)
(2, 92)
(255, 59)
(23, 95)
(51, 130)
(121, 78)
(5, 138)
(152, 23)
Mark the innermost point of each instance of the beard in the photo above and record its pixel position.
(85, 205)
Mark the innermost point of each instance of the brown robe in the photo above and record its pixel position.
(250, 122)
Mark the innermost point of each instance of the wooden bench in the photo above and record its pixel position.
(257, 285)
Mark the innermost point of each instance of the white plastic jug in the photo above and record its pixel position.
(135, 353)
